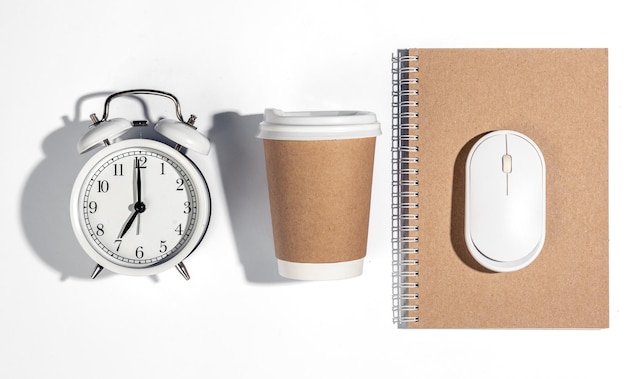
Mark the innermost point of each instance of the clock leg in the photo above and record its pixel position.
(183, 270)
(96, 271)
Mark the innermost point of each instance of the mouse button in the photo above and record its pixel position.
(494, 144)
(526, 176)
(485, 161)
(521, 147)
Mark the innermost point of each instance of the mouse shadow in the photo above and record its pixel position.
(457, 221)
(45, 202)
(241, 160)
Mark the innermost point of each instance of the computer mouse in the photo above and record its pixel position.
(505, 201)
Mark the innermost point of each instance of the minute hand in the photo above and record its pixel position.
(138, 167)
(139, 205)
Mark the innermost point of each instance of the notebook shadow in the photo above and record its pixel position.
(241, 160)
(457, 219)
(45, 202)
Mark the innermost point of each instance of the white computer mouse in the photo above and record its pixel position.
(505, 201)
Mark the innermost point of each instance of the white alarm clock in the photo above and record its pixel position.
(140, 206)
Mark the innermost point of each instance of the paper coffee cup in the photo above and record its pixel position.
(319, 173)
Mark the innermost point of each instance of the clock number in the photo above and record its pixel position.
(118, 169)
(180, 183)
(93, 207)
(163, 247)
(140, 162)
(103, 186)
(99, 230)
(162, 168)
(139, 252)
(187, 207)
(179, 229)
(118, 242)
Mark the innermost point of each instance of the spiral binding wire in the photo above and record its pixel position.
(404, 200)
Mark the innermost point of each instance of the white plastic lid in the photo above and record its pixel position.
(318, 125)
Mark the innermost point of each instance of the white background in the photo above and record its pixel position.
(235, 317)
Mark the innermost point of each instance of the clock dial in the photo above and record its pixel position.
(140, 206)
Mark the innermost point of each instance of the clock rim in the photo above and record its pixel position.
(203, 201)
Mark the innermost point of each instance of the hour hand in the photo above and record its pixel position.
(139, 208)
(128, 223)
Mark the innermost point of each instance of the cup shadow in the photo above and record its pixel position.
(241, 161)
(457, 218)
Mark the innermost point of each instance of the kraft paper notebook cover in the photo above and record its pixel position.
(444, 100)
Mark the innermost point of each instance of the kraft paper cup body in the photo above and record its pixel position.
(319, 173)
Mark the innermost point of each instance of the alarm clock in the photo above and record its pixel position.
(140, 206)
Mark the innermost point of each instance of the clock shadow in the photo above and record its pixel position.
(241, 160)
(45, 202)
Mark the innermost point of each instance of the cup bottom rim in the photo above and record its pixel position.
(320, 271)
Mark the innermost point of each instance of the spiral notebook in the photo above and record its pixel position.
(443, 101)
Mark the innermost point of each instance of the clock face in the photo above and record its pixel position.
(140, 207)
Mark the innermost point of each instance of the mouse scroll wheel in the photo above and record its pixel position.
(507, 163)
